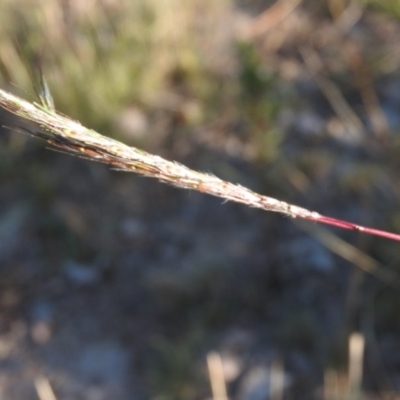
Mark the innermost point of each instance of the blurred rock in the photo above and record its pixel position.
(133, 228)
(307, 255)
(11, 224)
(41, 315)
(80, 274)
(257, 385)
(104, 362)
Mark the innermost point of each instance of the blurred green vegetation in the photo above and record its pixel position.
(103, 60)
(390, 7)
(101, 57)
(173, 374)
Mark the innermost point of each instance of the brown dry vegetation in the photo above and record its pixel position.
(112, 286)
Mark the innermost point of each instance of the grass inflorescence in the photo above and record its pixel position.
(72, 137)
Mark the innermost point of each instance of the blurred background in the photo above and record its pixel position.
(113, 286)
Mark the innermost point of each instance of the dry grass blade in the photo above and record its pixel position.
(356, 359)
(332, 93)
(44, 389)
(70, 136)
(350, 253)
(217, 379)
